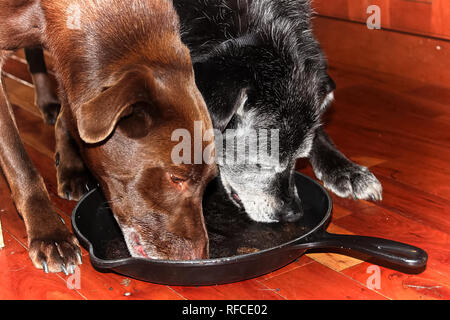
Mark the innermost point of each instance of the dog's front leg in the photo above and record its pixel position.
(46, 99)
(339, 174)
(51, 246)
(74, 179)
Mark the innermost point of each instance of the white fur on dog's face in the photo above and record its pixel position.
(263, 186)
(253, 192)
(327, 101)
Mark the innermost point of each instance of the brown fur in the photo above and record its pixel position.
(126, 83)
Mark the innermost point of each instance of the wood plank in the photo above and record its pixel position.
(379, 222)
(336, 8)
(34, 132)
(433, 283)
(20, 280)
(441, 23)
(415, 204)
(357, 11)
(422, 59)
(412, 16)
(334, 261)
(2, 243)
(18, 68)
(399, 137)
(432, 93)
(356, 139)
(21, 95)
(300, 262)
(317, 282)
(430, 285)
(245, 290)
(420, 17)
(405, 121)
(95, 285)
(433, 181)
(12, 223)
(400, 140)
(398, 196)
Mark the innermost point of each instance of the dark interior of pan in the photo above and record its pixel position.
(240, 249)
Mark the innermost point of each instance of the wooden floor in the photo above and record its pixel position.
(400, 128)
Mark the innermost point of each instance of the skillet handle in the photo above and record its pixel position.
(387, 250)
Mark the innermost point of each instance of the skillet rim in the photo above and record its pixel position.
(111, 264)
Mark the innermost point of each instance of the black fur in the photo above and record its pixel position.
(267, 48)
(284, 69)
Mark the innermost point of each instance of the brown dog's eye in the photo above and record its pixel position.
(177, 181)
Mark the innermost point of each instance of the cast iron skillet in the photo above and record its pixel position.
(98, 232)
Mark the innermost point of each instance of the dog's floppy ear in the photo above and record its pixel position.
(224, 90)
(225, 79)
(97, 118)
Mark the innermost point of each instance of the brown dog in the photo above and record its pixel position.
(126, 83)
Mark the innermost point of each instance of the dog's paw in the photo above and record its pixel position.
(355, 182)
(55, 252)
(73, 183)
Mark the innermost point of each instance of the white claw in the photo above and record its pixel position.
(80, 260)
(45, 266)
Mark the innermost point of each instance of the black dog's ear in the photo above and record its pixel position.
(223, 87)
(224, 78)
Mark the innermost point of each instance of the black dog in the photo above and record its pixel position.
(259, 67)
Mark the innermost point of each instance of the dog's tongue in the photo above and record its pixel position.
(140, 250)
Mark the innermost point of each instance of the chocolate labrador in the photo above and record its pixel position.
(126, 83)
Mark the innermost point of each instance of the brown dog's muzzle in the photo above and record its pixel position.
(156, 236)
